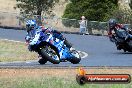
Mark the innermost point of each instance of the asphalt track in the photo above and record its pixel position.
(101, 52)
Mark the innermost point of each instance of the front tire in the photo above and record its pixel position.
(50, 54)
(76, 59)
(42, 61)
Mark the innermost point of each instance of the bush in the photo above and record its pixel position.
(98, 10)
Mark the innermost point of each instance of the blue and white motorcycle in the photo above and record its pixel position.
(52, 49)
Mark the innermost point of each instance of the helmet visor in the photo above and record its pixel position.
(29, 27)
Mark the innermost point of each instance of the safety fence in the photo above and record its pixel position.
(61, 24)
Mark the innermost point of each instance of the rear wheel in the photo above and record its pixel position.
(50, 54)
(124, 50)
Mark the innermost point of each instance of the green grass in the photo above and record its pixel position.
(53, 82)
(13, 51)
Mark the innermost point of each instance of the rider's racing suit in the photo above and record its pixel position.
(117, 31)
(33, 35)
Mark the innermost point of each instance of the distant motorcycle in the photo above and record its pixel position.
(52, 49)
(120, 41)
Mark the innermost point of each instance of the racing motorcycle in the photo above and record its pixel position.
(121, 42)
(52, 49)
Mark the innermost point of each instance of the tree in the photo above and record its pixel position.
(131, 4)
(123, 16)
(98, 10)
(35, 7)
(124, 13)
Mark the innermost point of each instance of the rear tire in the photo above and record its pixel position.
(49, 58)
(124, 50)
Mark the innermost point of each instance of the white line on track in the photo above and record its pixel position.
(12, 62)
(12, 40)
(84, 54)
(28, 61)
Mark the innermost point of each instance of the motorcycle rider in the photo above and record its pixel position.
(114, 26)
(32, 27)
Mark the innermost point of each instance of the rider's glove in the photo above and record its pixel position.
(27, 38)
(30, 48)
(112, 38)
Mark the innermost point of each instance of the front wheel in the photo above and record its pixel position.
(50, 54)
(76, 57)
(42, 61)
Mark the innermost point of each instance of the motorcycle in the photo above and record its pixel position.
(121, 42)
(52, 49)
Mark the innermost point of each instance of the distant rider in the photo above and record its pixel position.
(114, 26)
(32, 27)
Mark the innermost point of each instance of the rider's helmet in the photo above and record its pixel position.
(30, 25)
(112, 23)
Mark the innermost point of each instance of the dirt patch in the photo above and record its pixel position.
(65, 73)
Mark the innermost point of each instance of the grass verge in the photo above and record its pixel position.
(54, 82)
(15, 51)
(53, 78)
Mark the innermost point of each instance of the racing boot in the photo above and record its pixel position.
(72, 49)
